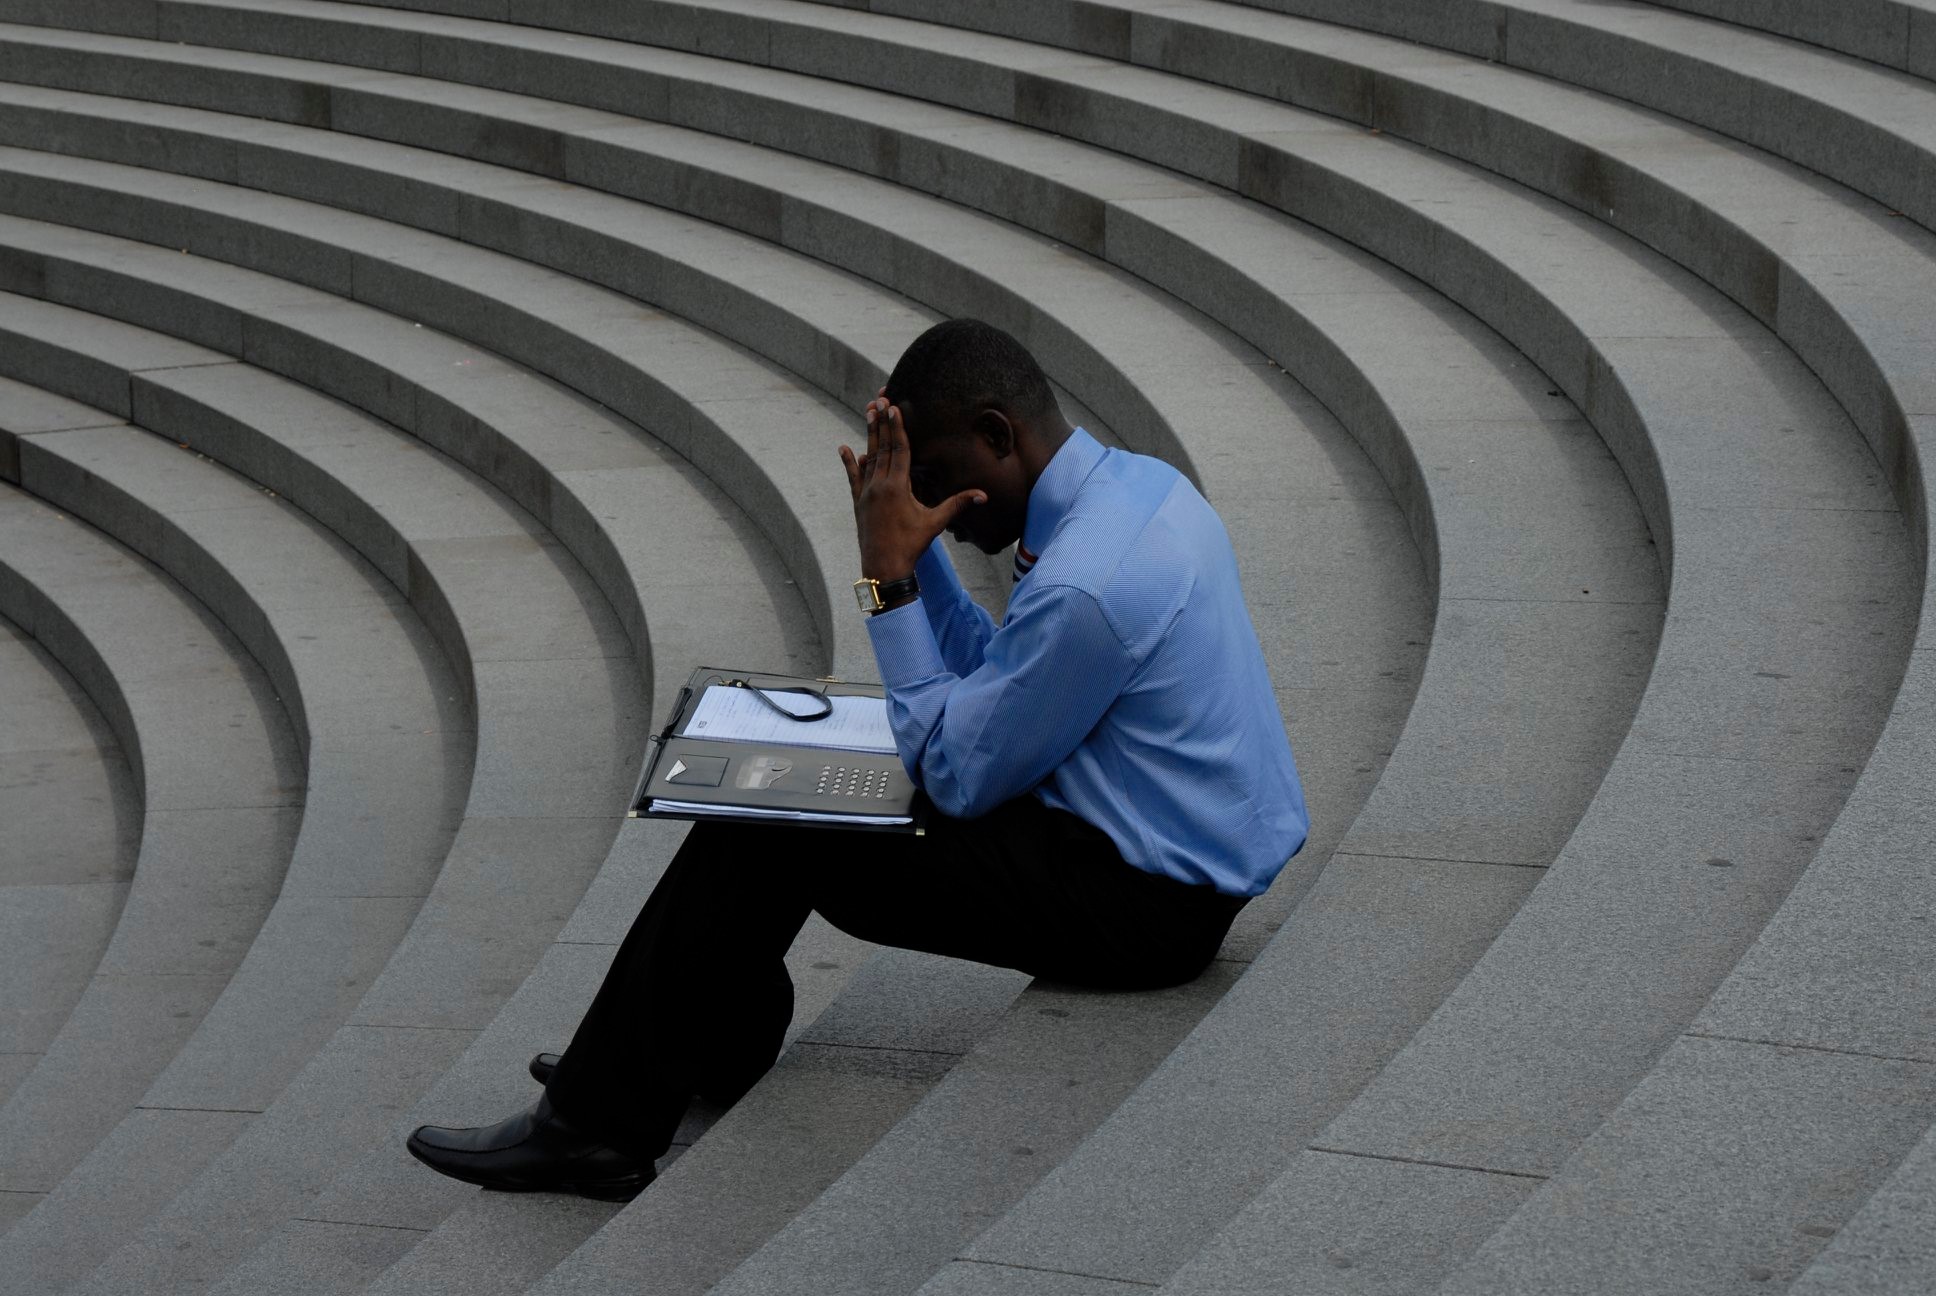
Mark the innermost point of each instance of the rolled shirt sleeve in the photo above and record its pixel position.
(974, 739)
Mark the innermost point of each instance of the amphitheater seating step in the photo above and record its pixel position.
(498, 1275)
(71, 802)
(1886, 1247)
(219, 773)
(1832, 273)
(65, 867)
(1340, 651)
(1610, 315)
(1827, 804)
(1812, 1070)
(514, 615)
(419, 1184)
(1895, 33)
(498, 646)
(353, 666)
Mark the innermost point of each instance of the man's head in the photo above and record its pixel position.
(979, 415)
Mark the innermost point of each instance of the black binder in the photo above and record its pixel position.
(795, 781)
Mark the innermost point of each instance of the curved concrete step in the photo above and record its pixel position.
(1869, 128)
(1838, 278)
(51, 188)
(362, 1198)
(443, 1268)
(1886, 1247)
(72, 805)
(210, 1252)
(254, 1275)
(1143, 122)
(1822, 306)
(1895, 33)
(1853, 479)
(220, 772)
(523, 624)
(69, 799)
(1735, 218)
(840, 331)
(736, 418)
(1787, 1103)
(1343, 386)
(1807, 1079)
(498, 398)
(376, 702)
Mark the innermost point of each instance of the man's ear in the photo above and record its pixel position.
(993, 427)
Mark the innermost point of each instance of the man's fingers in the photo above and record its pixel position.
(853, 468)
(954, 506)
(894, 445)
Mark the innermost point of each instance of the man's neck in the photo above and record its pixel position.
(1039, 445)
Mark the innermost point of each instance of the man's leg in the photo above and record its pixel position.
(698, 998)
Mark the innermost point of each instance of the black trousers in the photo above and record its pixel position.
(698, 999)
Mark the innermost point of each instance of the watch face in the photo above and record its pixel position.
(867, 594)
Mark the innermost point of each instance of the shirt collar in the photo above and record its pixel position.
(1055, 490)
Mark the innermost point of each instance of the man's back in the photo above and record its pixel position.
(1193, 741)
(1125, 685)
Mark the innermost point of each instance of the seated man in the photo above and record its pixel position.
(1111, 774)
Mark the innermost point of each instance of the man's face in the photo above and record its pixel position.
(955, 456)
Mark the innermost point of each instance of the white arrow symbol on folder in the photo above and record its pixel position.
(678, 768)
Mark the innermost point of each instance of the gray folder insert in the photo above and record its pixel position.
(762, 771)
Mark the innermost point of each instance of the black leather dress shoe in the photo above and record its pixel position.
(542, 1065)
(534, 1151)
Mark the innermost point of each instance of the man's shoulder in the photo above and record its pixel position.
(1128, 546)
(1129, 495)
(1128, 470)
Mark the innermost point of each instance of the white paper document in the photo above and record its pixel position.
(858, 724)
(662, 806)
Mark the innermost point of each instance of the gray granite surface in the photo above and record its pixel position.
(1599, 380)
(204, 869)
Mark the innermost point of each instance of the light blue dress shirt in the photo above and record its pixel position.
(1125, 685)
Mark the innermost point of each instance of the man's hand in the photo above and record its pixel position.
(895, 528)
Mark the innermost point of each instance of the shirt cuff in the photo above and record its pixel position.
(904, 645)
(936, 572)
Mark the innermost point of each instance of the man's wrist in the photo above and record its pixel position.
(885, 568)
(877, 596)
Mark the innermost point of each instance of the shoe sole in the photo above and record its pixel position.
(612, 1190)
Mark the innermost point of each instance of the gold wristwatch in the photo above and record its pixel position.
(874, 596)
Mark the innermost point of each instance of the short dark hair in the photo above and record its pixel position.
(963, 365)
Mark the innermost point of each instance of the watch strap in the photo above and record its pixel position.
(874, 595)
(891, 591)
